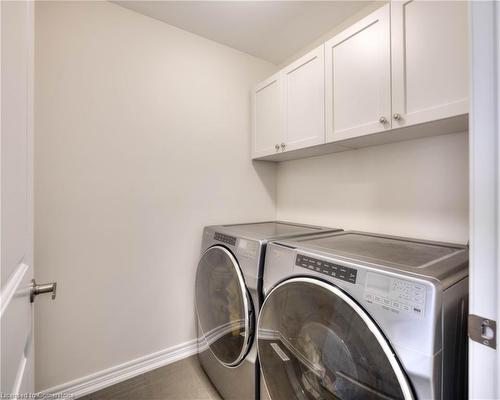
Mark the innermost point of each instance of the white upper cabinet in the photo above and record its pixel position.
(358, 78)
(403, 66)
(267, 127)
(304, 101)
(429, 60)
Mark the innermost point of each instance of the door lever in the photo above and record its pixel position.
(35, 289)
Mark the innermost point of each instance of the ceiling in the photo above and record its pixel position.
(271, 30)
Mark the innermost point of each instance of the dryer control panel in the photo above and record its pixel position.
(225, 238)
(396, 294)
(243, 247)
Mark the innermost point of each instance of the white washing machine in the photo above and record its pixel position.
(353, 315)
(228, 297)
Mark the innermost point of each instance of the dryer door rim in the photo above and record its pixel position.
(372, 326)
(247, 306)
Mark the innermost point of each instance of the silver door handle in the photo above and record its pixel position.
(35, 289)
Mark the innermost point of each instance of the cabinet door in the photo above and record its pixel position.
(358, 78)
(267, 134)
(304, 101)
(429, 60)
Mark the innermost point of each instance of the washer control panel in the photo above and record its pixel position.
(225, 238)
(327, 268)
(395, 294)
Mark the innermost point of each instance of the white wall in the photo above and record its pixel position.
(141, 139)
(417, 188)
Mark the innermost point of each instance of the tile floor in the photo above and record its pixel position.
(182, 380)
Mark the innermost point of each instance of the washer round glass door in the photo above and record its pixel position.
(223, 306)
(316, 342)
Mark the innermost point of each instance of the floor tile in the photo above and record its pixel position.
(182, 380)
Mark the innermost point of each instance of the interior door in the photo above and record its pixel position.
(304, 101)
(267, 126)
(16, 313)
(358, 78)
(316, 342)
(223, 306)
(429, 60)
(484, 263)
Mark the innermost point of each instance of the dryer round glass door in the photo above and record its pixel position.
(316, 342)
(223, 306)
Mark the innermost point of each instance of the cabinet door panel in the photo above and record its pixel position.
(304, 101)
(267, 129)
(430, 60)
(358, 86)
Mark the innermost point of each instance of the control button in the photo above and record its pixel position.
(417, 310)
(340, 272)
(397, 305)
(418, 299)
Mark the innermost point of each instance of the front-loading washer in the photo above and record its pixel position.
(228, 297)
(353, 315)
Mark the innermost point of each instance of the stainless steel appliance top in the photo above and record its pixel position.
(433, 259)
(275, 229)
(395, 251)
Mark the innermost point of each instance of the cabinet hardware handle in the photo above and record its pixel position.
(382, 120)
(283, 145)
(397, 116)
(277, 146)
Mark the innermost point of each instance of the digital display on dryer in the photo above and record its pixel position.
(327, 268)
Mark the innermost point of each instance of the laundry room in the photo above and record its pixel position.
(257, 200)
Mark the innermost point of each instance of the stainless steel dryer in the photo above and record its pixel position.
(354, 315)
(228, 297)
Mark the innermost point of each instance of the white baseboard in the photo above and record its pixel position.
(119, 373)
